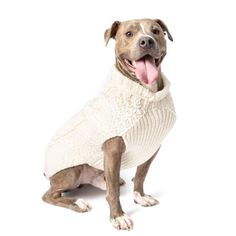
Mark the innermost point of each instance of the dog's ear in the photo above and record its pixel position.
(164, 28)
(111, 32)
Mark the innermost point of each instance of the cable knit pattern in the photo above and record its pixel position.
(125, 109)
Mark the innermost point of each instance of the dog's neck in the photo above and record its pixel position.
(156, 86)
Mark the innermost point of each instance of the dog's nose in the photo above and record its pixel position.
(146, 42)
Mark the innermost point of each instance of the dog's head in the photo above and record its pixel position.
(140, 47)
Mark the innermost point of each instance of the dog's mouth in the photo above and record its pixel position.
(146, 68)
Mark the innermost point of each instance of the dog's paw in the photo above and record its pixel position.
(145, 200)
(83, 205)
(122, 222)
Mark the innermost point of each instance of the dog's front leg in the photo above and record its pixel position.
(139, 196)
(113, 150)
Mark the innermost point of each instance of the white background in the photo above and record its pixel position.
(53, 59)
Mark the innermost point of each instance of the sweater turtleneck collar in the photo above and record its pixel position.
(120, 82)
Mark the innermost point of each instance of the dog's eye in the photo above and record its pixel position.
(155, 31)
(129, 34)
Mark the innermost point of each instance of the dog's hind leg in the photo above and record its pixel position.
(63, 181)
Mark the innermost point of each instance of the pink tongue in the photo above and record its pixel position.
(146, 70)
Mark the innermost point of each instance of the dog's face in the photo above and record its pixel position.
(140, 47)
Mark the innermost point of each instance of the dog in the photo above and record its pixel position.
(122, 128)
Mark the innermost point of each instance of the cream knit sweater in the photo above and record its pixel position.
(125, 109)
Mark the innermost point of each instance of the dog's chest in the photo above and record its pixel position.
(146, 136)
